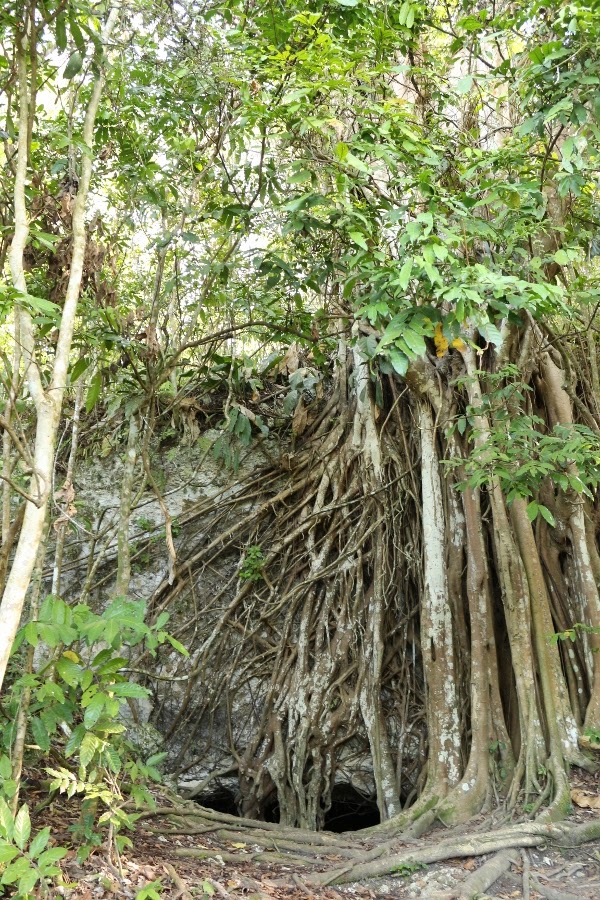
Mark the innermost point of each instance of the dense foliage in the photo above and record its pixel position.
(366, 230)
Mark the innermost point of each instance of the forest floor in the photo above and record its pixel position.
(197, 853)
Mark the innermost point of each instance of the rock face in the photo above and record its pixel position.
(195, 488)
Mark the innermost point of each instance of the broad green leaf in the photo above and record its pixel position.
(405, 273)
(358, 238)
(40, 734)
(75, 740)
(547, 515)
(561, 257)
(399, 361)
(129, 689)
(73, 66)
(7, 852)
(414, 341)
(351, 160)
(38, 844)
(15, 870)
(52, 855)
(69, 671)
(532, 510)
(79, 368)
(93, 392)
(464, 85)
(27, 882)
(22, 827)
(94, 710)
(300, 176)
(7, 822)
(89, 745)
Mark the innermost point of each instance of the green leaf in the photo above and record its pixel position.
(69, 671)
(40, 734)
(74, 65)
(532, 510)
(89, 745)
(27, 882)
(37, 304)
(15, 870)
(79, 368)
(5, 767)
(547, 515)
(464, 85)
(94, 710)
(358, 238)
(22, 827)
(75, 740)
(299, 177)
(61, 31)
(7, 823)
(176, 645)
(490, 333)
(7, 852)
(93, 392)
(561, 257)
(114, 760)
(129, 689)
(52, 855)
(399, 361)
(38, 844)
(415, 342)
(356, 163)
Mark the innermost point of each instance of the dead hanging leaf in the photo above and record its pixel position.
(152, 341)
(300, 418)
(441, 343)
(290, 362)
(585, 799)
(67, 495)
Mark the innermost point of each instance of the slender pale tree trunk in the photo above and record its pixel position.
(47, 400)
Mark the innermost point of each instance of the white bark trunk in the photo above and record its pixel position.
(48, 404)
(436, 622)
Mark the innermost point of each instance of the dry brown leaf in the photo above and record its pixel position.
(469, 865)
(585, 799)
(290, 362)
(300, 418)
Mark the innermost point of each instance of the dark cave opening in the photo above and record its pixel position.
(350, 810)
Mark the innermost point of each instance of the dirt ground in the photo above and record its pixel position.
(255, 864)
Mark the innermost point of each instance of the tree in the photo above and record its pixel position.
(46, 393)
(401, 199)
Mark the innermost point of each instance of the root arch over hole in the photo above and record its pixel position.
(344, 649)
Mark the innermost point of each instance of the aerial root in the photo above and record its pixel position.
(341, 859)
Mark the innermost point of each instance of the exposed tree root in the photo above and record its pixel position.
(341, 859)
(479, 881)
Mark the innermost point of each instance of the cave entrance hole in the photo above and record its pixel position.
(350, 810)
